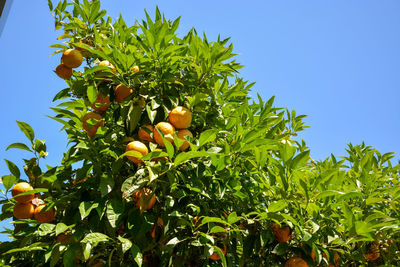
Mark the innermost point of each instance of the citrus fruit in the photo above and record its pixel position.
(165, 128)
(181, 135)
(121, 92)
(63, 71)
(64, 238)
(72, 58)
(282, 234)
(23, 210)
(101, 103)
(160, 223)
(180, 117)
(296, 262)
(136, 146)
(143, 134)
(22, 188)
(45, 216)
(92, 129)
(215, 256)
(107, 63)
(134, 69)
(144, 198)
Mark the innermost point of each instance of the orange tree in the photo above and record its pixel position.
(221, 180)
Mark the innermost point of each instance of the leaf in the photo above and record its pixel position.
(95, 238)
(151, 113)
(9, 181)
(114, 211)
(183, 156)
(134, 115)
(27, 130)
(32, 247)
(106, 185)
(277, 206)
(217, 229)
(86, 207)
(206, 219)
(281, 248)
(19, 146)
(169, 147)
(61, 228)
(13, 168)
(207, 136)
(137, 255)
(300, 159)
(329, 193)
(126, 244)
(91, 93)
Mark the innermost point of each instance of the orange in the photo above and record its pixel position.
(46, 216)
(296, 262)
(23, 210)
(92, 129)
(63, 71)
(144, 198)
(72, 58)
(215, 256)
(144, 135)
(282, 234)
(63, 238)
(372, 256)
(134, 69)
(22, 188)
(121, 92)
(180, 117)
(181, 135)
(165, 128)
(136, 146)
(107, 63)
(101, 103)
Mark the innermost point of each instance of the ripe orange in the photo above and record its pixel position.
(23, 210)
(143, 135)
(372, 256)
(72, 58)
(144, 198)
(101, 103)
(136, 146)
(121, 92)
(165, 128)
(296, 262)
(22, 188)
(92, 129)
(63, 71)
(282, 234)
(180, 117)
(181, 135)
(215, 256)
(46, 216)
(107, 63)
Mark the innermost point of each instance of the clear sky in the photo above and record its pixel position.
(336, 61)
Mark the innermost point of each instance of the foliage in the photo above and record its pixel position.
(244, 171)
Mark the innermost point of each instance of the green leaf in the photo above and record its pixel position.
(95, 238)
(91, 93)
(170, 148)
(277, 206)
(134, 115)
(281, 248)
(137, 255)
(13, 168)
(9, 181)
(85, 208)
(207, 136)
(19, 146)
(61, 228)
(126, 244)
(115, 209)
(183, 156)
(207, 219)
(300, 159)
(46, 229)
(151, 113)
(27, 130)
(217, 229)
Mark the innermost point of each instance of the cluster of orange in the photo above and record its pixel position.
(71, 58)
(25, 208)
(179, 118)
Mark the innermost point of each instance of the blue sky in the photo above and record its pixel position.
(335, 61)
